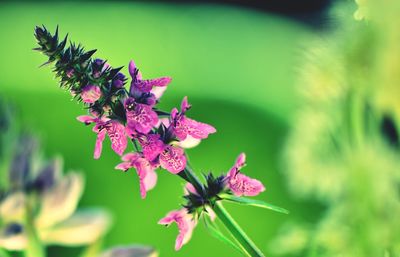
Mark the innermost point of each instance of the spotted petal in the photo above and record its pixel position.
(142, 118)
(173, 159)
(151, 145)
(185, 126)
(116, 132)
(241, 184)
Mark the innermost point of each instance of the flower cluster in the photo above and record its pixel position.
(158, 137)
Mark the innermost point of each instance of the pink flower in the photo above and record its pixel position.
(145, 86)
(184, 127)
(90, 94)
(140, 117)
(173, 159)
(144, 169)
(152, 146)
(240, 184)
(185, 222)
(114, 130)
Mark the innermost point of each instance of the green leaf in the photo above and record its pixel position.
(252, 202)
(216, 232)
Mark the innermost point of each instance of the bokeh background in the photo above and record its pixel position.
(237, 63)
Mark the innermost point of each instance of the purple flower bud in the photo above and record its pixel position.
(90, 94)
(118, 81)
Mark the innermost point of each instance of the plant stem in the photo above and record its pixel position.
(34, 247)
(245, 243)
(236, 231)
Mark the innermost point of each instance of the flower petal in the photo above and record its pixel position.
(151, 145)
(87, 119)
(244, 185)
(116, 133)
(99, 143)
(173, 159)
(185, 126)
(142, 118)
(147, 175)
(185, 223)
(60, 202)
(185, 105)
(132, 69)
(189, 142)
(158, 92)
(84, 227)
(130, 251)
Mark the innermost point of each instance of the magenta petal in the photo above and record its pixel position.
(147, 176)
(147, 182)
(87, 119)
(240, 161)
(185, 105)
(148, 84)
(99, 143)
(173, 159)
(142, 118)
(185, 224)
(244, 185)
(116, 132)
(132, 68)
(151, 145)
(124, 166)
(185, 126)
(197, 129)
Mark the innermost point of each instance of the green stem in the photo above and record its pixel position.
(34, 247)
(245, 243)
(236, 231)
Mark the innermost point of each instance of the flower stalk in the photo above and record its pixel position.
(159, 138)
(244, 241)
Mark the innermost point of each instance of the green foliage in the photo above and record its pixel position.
(344, 148)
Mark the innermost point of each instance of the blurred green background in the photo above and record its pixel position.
(236, 65)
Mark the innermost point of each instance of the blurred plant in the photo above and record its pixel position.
(344, 148)
(158, 137)
(38, 203)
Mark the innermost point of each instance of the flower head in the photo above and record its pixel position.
(115, 131)
(144, 86)
(185, 127)
(240, 184)
(140, 118)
